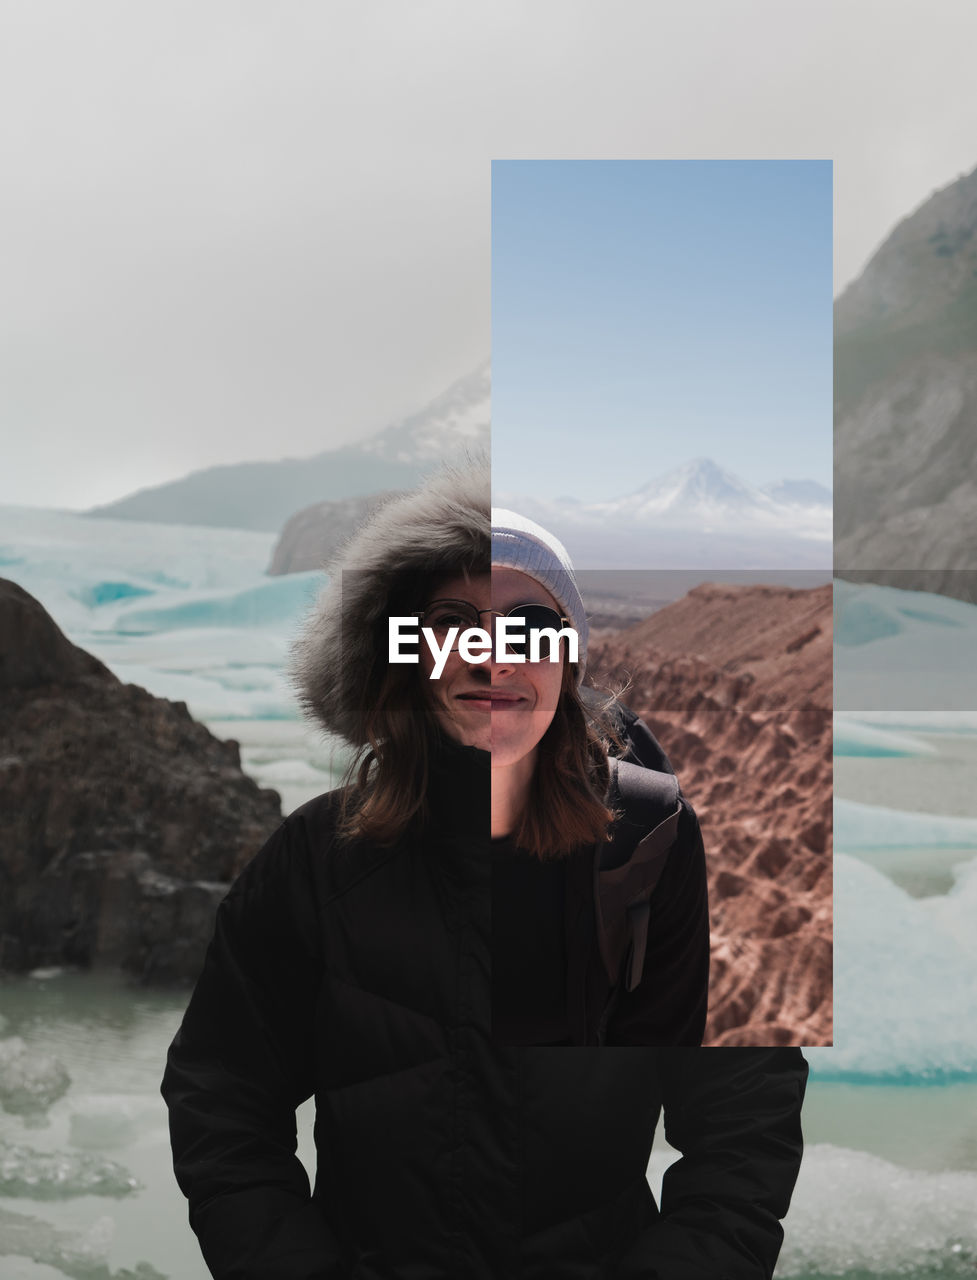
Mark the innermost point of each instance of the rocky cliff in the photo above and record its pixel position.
(124, 819)
(312, 536)
(736, 683)
(906, 402)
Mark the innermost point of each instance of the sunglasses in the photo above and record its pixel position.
(441, 615)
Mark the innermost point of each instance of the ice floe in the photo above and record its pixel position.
(29, 1081)
(53, 1175)
(870, 826)
(853, 1212)
(905, 996)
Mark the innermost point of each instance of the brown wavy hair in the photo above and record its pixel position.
(386, 782)
(565, 807)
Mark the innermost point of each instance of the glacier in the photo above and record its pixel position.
(853, 737)
(904, 650)
(905, 997)
(870, 826)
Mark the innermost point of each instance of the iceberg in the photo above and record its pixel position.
(905, 998)
(936, 723)
(853, 737)
(274, 602)
(870, 826)
(903, 648)
(29, 1082)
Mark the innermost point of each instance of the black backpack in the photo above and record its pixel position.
(628, 866)
(645, 791)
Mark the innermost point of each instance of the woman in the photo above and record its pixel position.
(351, 960)
(628, 964)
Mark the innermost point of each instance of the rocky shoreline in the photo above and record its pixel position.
(125, 819)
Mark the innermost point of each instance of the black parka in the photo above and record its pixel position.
(362, 976)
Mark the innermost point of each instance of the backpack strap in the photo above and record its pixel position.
(628, 866)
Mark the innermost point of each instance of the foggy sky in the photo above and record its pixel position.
(242, 230)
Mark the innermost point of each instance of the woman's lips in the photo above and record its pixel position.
(491, 700)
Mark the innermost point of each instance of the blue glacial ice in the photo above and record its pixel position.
(941, 722)
(869, 826)
(905, 997)
(853, 737)
(85, 571)
(865, 613)
(903, 649)
(187, 613)
(274, 602)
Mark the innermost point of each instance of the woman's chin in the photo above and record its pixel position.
(507, 752)
(469, 735)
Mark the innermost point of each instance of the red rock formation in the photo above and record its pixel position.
(736, 683)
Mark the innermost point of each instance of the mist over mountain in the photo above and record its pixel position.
(263, 495)
(697, 516)
(906, 402)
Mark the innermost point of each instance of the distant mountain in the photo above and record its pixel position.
(906, 401)
(701, 495)
(263, 495)
(698, 516)
(456, 419)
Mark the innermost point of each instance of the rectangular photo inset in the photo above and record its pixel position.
(661, 470)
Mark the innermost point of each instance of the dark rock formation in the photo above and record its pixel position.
(313, 535)
(124, 819)
(735, 681)
(906, 402)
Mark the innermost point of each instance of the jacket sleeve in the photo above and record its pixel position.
(239, 1066)
(668, 1006)
(735, 1116)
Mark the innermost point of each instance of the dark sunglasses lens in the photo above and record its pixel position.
(538, 618)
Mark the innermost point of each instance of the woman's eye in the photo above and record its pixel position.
(442, 621)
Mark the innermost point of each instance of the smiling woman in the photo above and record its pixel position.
(600, 926)
(356, 958)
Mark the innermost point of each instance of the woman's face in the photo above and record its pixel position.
(505, 707)
(524, 694)
(460, 695)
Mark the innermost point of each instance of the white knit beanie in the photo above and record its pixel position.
(518, 543)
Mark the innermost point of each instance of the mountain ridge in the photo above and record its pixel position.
(906, 399)
(265, 494)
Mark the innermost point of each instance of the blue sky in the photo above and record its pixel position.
(646, 312)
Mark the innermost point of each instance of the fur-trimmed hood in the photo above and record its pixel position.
(439, 529)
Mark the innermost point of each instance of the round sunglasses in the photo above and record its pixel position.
(441, 615)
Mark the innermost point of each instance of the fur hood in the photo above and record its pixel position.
(439, 529)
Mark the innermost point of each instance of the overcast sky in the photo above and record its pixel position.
(233, 229)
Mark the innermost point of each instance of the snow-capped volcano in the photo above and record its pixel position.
(697, 495)
(702, 496)
(697, 514)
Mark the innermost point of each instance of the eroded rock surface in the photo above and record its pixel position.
(736, 683)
